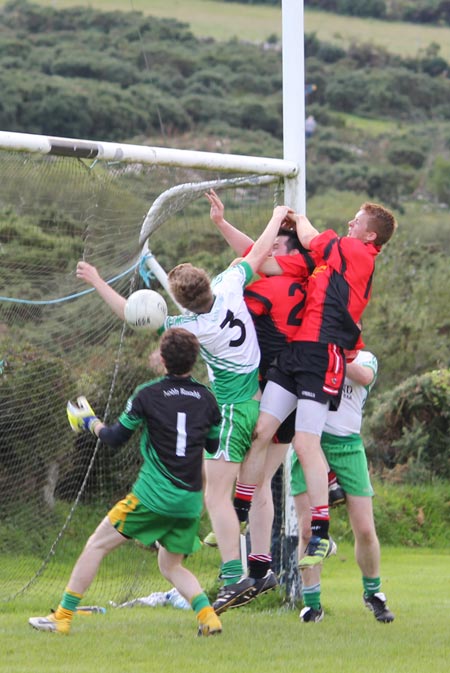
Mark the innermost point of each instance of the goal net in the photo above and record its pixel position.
(59, 340)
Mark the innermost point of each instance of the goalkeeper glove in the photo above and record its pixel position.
(81, 415)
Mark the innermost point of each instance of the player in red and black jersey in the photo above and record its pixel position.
(276, 303)
(309, 373)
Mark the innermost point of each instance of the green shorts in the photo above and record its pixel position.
(236, 430)
(347, 458)
(132, 519)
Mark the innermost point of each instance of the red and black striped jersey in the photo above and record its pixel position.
(338, 289)
(276, 304)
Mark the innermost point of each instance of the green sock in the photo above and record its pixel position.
(311, 596)
(199, 602)
(372, 585)
(231, 572)
(70, 600)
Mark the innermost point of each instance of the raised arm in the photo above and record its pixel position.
(305, 230)
(263, 246)
(90, 275)
(237, 240)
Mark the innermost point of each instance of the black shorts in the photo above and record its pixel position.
(312, 371)
(286, 431)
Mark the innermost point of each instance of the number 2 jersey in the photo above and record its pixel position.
(176, 415)
(276, 304)
(227, 337)
(338, 289)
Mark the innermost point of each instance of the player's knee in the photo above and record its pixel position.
(366, 535)
(263, 433)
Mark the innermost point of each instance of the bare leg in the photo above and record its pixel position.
(104, 539)
(262, 509)
(367, 546)
(312, 611)
(187, 584)
(252, 469)
(315, 468)
(171, 567)
(220, 478)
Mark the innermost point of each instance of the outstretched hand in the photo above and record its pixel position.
(88, 273)
(289, 219)
(81, 415)
(217, 210)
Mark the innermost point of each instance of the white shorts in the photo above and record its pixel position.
(277, 401)
(311, 416)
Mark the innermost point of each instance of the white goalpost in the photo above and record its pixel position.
(108, 202)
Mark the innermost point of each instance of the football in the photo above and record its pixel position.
(145, 310)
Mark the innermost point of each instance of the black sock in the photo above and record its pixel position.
(242, 508)
(257, 569)
(320, 527)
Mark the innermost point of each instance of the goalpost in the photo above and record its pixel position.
(55, 334)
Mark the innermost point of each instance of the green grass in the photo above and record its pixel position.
(401, 38)
(256, 637)
(257, 22)
(371, 127)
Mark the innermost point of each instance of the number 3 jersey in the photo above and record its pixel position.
(176, 415)
(227, 337)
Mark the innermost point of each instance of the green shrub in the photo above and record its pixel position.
(410, 426)
(405, 515)
(406, 154)
(439, 180)
(39, 443)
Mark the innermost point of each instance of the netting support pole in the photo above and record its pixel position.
(294, 150)
(294, 102)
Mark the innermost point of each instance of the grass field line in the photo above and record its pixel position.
(208, 18)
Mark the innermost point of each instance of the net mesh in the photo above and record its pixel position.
(59, 340)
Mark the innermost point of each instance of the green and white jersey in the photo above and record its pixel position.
(227, 337)
(348, 418)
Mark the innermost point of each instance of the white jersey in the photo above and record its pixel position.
(227, 337)
(348, 418)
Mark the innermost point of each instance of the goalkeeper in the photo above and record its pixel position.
(179, 417)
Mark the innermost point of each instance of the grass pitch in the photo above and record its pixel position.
(261, 636)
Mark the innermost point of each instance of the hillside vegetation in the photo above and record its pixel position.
(217, 19)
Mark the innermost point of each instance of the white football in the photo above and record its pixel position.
(145, 310)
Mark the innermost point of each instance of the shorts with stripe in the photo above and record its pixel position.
(312, 371)
(236, 430)
(131, 518)
(347, 458)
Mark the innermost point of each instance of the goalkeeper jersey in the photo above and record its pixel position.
(176, 415)
(227, 337)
